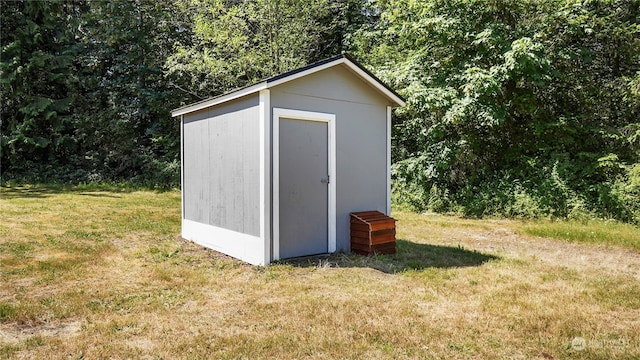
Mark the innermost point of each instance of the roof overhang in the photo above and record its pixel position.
(219, 99)
(342, 59)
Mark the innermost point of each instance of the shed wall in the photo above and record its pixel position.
(361, 138)
(221, 167)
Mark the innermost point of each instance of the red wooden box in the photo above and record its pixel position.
(373, 232)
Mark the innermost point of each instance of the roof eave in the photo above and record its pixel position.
(353, 65)
(345, 59)
(219, 99)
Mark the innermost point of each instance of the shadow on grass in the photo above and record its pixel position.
(47, 190)
(408, 256)
(44, 191)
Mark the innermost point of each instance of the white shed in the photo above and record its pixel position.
(273, 170)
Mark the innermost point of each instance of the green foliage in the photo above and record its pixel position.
(87, 85)
(525, 108)
(87, 97)
(627, 190)
(38, 83)
(241, 42)
(129, 134)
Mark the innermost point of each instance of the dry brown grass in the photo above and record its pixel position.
(103, 274)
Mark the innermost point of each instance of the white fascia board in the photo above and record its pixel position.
(354, 68)
(306, 72)
(374, 83)
(265, 173)
(219, 100)
(268, 84)
(389, 129)
(182, 165)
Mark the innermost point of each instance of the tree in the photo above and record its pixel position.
(127, 131)
(516, 108)
(39, 84)
(240, 42)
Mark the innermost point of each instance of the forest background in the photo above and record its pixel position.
(519, 108)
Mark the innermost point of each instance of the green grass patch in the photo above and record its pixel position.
(7, 311)
(615, 293)
(593, 231)
(19, 250)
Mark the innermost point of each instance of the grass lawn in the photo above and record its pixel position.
(88, 273)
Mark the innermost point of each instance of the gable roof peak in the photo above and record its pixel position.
(343, 58)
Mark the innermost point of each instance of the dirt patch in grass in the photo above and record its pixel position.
(15, 333)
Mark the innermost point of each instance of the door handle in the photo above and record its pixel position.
(325, 180)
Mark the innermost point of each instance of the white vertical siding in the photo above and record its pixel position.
(222, 166)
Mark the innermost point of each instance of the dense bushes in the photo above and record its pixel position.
(515, 108)
(544, 193)
(87, 86)
(525, 108)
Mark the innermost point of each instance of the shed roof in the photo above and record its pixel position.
(344, 59)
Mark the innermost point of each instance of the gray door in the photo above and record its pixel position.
(303, 157)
